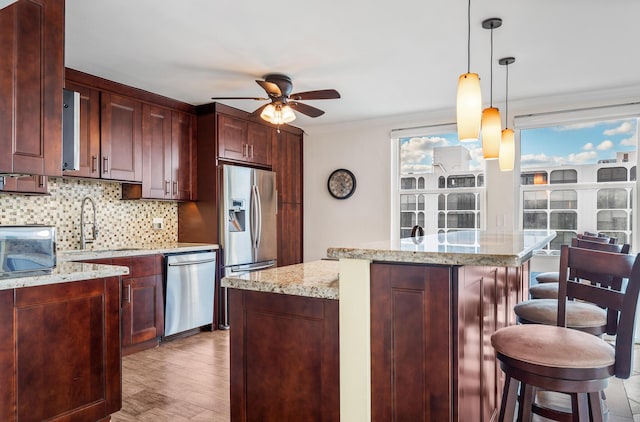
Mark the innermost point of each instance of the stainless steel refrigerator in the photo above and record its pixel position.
(248, 235)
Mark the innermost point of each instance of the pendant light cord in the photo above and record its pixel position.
(469, 37)
(491, 73)
(506, 100)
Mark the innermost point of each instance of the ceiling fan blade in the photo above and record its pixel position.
(272, 89)
(306, 109)
(256, 112)
(239, 98)
(323, 94)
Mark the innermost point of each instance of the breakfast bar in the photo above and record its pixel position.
(408, 331)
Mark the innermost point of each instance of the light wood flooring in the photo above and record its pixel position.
(188, 380)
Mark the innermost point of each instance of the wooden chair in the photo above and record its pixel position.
(556, 358)
(552, 276)
(550, 290)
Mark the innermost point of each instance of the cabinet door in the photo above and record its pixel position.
(259, 144)
(89, 131)
(288, 167)
(67, 351)
(156, 142)
(181, 149)
(142, 313)
(25, 184)
(31, 81)
(289, 234)
(121, 138)
(232, 138)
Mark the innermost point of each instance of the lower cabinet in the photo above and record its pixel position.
(60, 351)
(142, 303)
(284, 357)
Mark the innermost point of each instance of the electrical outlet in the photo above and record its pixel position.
(158, 223)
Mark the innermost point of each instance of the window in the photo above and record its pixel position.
(564, 176)
(441, 182)
(586, 155)
(612, 174)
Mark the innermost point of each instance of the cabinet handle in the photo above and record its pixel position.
(105, 164)
(251, 151)
(166, 187)
(175, 187)
(245, 150)
(40, 181)
(128, 293)
(94, 164)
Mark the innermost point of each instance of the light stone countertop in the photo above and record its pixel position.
(133, 250)
(66, 270)
(317, 279)
(472, 247)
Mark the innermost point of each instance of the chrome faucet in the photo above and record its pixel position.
(94, 226)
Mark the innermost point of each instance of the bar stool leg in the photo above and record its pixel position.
(527, 395)
(595, 407)
(509, 396)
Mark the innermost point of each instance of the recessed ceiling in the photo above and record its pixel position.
(385, 58)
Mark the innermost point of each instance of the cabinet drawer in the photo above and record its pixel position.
(141, 266)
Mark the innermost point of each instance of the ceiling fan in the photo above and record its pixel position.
(280, 110)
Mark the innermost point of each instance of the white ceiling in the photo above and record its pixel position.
(385, 57)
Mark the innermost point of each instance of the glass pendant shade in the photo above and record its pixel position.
(468, 107)
(491, 127)
(278, 115)
(507, 150)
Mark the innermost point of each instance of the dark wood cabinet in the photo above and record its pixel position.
(89, 131)
(64, 335)
(121, 138)
(156, 147)
(24, 184)
(240, 140)
(284, 357)
(431, 329)
(142, 302)
(183, 160)
(31, 82)
(287, 164)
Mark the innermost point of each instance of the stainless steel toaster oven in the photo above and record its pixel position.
(27, 249)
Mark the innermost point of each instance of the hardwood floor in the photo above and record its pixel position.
(188, 380)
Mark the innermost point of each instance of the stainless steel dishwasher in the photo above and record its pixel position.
(189, 291)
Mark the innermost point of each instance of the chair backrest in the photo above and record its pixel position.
(602, 266)
(599, 239)
(581, 242)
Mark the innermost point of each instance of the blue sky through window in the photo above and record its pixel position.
(416, 153)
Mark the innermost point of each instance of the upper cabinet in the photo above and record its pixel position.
(183, 162)
(240, 140)
(121, 138)
(89, 131)
(31, 82)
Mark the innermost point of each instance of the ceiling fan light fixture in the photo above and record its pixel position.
(278, 114)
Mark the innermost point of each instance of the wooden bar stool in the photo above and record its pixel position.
(556, 358)
(549, 290)
(552, 276)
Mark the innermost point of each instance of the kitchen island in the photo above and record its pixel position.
(415, 320)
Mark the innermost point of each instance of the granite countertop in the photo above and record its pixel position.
(317, 279)
(64, 272)
(132, 250)
(67, 270)
(472, 247)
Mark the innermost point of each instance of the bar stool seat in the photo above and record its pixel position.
(581, 316)
(547, 277)
(544, 291)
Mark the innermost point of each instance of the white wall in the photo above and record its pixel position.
(364, 148)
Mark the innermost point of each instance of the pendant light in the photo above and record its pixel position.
(491, 124)
(507, 145)
(469, 99)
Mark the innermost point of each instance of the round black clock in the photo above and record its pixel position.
(341, 184)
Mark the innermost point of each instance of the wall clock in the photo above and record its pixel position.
(341, 184)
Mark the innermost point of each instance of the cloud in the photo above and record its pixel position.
(630, 142)
(416, 168)
(537, 160)
(416, 150)
(588, 146)
(605, 145)
(582, 157)
(624, 127)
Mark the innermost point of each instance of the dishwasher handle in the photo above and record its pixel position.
(202, 261)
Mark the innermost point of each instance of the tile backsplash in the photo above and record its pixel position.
(120, 222)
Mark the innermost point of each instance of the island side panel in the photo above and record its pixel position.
(411, 342)
(7, 357)
(284, 357)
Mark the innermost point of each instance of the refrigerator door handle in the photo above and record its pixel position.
(259, 213)
(255, 216)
